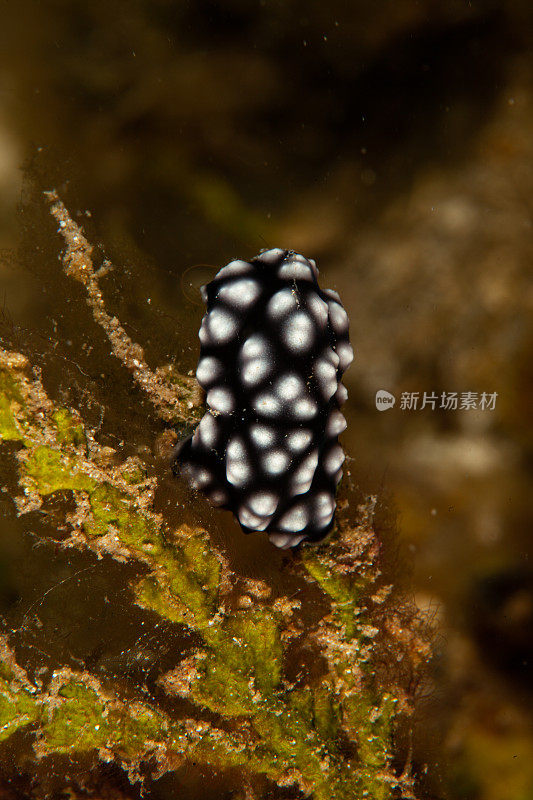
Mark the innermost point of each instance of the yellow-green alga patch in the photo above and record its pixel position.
(10, 399)
(17, 704)
(69, 431)
(52, 472)
(291, 735)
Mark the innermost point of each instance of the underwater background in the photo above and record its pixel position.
(391, 142)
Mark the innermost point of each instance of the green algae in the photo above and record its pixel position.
(69, 431)
(256, 634)
(9, 385)
(373, 741)
(79, 723)
(150, 595)
(53, 472)
(110, 506)
(189, 580)
(135, 475)
(242, 667)
(10, 429)
(345, 591)
(222, 688)
(325, 714)
(291, 735)
(78, 716)
(17, 705)
(86, 721)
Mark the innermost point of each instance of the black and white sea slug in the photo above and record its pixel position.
(274, 347)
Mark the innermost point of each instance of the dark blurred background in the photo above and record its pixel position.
(393, 142)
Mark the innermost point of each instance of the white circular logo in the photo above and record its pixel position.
(384, 400)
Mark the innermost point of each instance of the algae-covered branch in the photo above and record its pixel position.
(230, 701)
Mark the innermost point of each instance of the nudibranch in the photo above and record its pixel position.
(274, 347)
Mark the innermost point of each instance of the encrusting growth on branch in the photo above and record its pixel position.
(173, 400)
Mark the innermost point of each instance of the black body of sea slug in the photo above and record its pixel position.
(274, 347)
